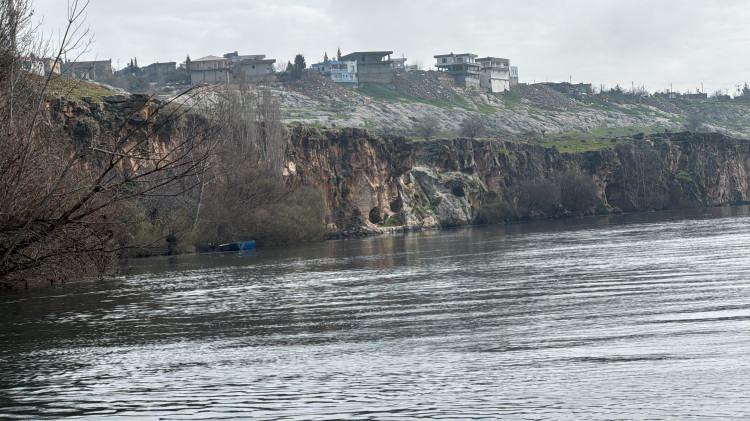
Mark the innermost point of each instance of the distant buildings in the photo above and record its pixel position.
(41, 66)
(209, 69)
(491, 74)
(231, 68)
(91, 70)
(577, 90)
(398, 63)
(249, 68)
(372, 66)
(339, 71)
(159, 72)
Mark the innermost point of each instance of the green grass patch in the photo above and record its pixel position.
(579, 145)
(592, 140)
(511, 99)
(486, 109)
(73, 89)
(383, 93)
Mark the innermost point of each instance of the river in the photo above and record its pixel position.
(622, 317)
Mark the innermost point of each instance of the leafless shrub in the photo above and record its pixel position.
(694, 121)
(427, 126)
(473, 126)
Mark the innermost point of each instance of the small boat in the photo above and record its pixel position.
(238, 246)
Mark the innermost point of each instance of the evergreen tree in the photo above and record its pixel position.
(299, 66)
(325, 57)
(299, 63)
(338, 54)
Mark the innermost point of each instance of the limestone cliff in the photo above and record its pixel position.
(374, 184)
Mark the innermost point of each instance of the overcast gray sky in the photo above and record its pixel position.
(649, 42)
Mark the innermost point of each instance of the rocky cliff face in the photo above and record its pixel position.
(374, 184)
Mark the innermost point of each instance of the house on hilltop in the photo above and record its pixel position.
(209, 69)
(494, 74)
(245, 68)
(463, 68)
(372, 66)
(91, 70)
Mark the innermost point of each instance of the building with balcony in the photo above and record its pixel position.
(463, 68)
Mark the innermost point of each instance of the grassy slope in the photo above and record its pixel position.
(77, 89)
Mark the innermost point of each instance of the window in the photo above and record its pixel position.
(445, 60)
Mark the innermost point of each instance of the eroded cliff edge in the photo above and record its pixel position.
(374, 184)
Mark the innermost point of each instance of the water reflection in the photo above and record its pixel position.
(636, 316)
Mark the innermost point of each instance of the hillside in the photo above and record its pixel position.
(531, 111)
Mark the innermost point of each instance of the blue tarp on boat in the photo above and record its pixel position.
(238, 246)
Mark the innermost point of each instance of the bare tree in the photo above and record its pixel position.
(694, 121)
(63, 199)
(246, 195)
(427, 126)
(473, 126)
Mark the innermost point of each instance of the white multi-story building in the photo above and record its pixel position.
(495, 74)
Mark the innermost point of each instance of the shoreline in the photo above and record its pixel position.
(680, 214)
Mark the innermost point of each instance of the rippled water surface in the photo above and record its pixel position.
(626, 317)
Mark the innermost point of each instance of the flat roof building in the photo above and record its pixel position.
(209, 69)
(462, 67)
(372, 66)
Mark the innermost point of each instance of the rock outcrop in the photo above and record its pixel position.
(374, 184)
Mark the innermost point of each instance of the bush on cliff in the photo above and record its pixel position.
(578, 193)
(571, 193)
(494, 210)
